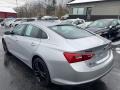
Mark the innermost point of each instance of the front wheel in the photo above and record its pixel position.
(41, 72)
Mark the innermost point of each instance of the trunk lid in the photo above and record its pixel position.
(98, 46)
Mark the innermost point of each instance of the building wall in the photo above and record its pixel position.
(106, 9)
(7, 15)
(2, 15)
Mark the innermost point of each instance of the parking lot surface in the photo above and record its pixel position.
(15, 75)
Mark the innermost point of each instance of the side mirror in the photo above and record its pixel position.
(8, 33)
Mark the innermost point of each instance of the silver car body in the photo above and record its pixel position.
(51, 51)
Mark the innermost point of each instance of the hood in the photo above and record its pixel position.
(97, 30)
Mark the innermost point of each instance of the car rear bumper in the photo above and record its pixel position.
(68, 76)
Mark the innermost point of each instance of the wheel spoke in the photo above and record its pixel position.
(43, 74)
(39, 72)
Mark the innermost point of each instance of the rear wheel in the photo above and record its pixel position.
(41, 72)
(5, 47)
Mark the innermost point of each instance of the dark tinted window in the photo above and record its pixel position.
(35, 32)
(44, 35)
(19, 29)
(70, 32)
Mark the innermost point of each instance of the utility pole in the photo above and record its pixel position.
(17, 3)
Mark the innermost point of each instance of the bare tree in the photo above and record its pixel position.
(32, 9)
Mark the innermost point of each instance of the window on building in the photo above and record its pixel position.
(74, 11)
(78, 11)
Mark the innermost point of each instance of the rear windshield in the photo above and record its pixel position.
(70, 32)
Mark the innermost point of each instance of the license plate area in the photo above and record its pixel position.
(99, 58)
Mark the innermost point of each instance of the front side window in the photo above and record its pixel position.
(70, 32)
(19, 29)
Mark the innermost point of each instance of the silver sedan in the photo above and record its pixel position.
(60, 54)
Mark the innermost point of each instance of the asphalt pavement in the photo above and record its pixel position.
(15, 75)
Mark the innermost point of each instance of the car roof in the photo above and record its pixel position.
(45, 23)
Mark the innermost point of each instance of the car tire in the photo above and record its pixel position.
(41, 72)
(5, 47)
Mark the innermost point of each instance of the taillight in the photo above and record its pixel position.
(76, 57)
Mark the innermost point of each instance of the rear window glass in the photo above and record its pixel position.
(70, 32)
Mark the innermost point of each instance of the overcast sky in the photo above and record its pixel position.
(12, 3)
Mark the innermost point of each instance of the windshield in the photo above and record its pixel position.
(101, 23)
(70, 32)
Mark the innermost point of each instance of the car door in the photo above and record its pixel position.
(12, 40)
(29, 43)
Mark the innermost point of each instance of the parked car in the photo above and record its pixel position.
(108, 28)
(73, 21)
(49, 18)
(60, 53)
(66, 16)
(16, 22)
(84, 25)
(22, 20)
(8, 22)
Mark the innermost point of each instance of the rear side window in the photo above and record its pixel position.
(35, 32)
(70, 32)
